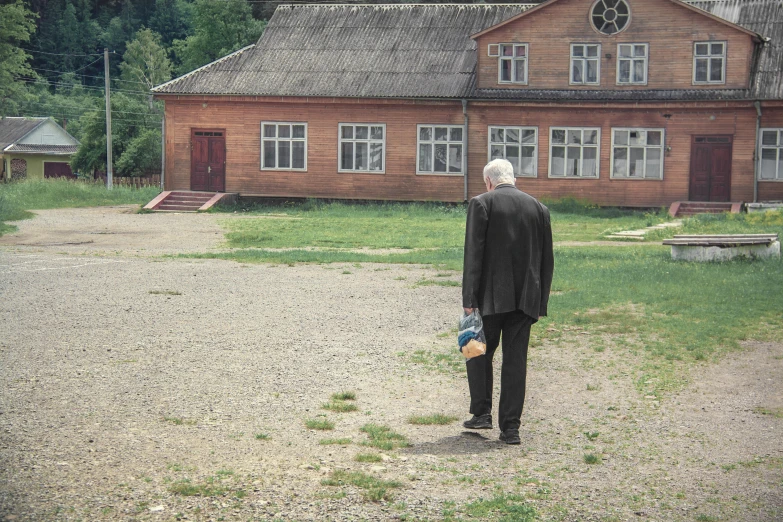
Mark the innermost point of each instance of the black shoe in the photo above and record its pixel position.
(510, 436)
(479, 422)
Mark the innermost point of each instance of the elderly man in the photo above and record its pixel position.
(507, 276)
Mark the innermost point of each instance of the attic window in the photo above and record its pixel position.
(610, 16)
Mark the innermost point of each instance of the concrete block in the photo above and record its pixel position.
(714, 253)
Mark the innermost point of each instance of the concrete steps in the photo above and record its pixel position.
(689, 208)
(186, 201)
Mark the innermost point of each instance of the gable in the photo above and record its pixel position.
(48, 133)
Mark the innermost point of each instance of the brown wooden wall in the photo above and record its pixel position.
(771, 117)
(241, 121)
(669, 29)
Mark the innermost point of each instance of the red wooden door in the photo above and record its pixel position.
(208, 161)
(710, 168)
(56, 169)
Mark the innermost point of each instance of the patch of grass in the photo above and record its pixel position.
(382, 437)
(19, 197)
(211, 487)
(179, 421)
(773, 412)
(319, 424)
(338, 442)
(164, 292)
(593, 387)
(262, 436)
(725, 223)
(340, 406)
(591, 435)
(591, 458)
(367, 457)
(437, 282)
(426, 420)
(502, 507)
(344, 396)
(705, 518)
(441, 359)
(375, 489)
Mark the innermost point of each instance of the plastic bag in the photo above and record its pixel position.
(471, 339)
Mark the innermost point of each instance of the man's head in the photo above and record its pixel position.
(497, 172)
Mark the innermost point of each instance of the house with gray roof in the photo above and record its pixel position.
(35, 148)
(619, 102)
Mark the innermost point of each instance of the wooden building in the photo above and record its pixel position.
(620, 102)
(35, 148)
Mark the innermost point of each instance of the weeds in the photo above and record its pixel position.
(367, 457)
(502, 507)
(375, 489)
(338, 442)
(319, 424)
(431, 419)
(382, 437)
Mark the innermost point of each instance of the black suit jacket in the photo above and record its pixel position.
(508, 253)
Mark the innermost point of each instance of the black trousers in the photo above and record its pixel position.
(515, 330)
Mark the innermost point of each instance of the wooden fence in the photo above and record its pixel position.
(132, 181)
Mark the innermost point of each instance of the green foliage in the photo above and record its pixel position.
(344, 396)
(426, 420)
(16, 25)
(769, 222)
(138, 137)
(219, 29)
(382, 437)
(172, 19)
(145, 61)
(338, 442)
(367, 457)
(319, 424)
(375, 489)
(591, 458)
(502, 507)
(339, 406)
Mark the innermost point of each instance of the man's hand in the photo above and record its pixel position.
(468, 310)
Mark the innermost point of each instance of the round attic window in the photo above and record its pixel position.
(610, 16)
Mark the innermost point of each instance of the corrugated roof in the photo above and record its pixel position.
(355, 51)
(764, 17)
(13, 129)
(42, 149)
(425, 51)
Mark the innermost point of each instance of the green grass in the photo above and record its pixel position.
(344, 396)
(340, 406)
(319, 424)
(770, 222)
(211, 487)
(262, 436)
(382, 437)
(19, 197)
(502, 507)
(591, 458)
(375, 489)
(427, 420)
(367, 457)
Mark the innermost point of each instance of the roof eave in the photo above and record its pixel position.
(155, 90)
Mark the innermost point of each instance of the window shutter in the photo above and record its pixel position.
(493, 50)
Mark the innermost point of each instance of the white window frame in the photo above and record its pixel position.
(584, 59)
(290, 139)
(514, 59)
(518, 168)
(633, 59)
(709, 56)
(778, 158)
(646, 147)
(597, 146)
(369, 141)
(432, 142)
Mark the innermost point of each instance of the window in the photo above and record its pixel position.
(573, 152)
(519, 145)
(585, 64)
(283, 146)
(440, 149)
(610, 16)
(709, 62)
(637, 153)
(362, 147)
(632, 64)
(512, 63)
(771, 155)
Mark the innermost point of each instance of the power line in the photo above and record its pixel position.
(39, 81)
(86, 75)
(62, 54)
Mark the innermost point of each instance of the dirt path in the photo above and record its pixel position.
(128, 382)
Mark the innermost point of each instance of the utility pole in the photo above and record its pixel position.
(108, 117)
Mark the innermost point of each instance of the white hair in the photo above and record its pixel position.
(499, 171)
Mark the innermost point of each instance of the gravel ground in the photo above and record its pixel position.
(124, 375)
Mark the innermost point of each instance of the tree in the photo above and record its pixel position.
(145, 61)
(16, 26)
(136, 138)
(172, 20)
(220, 28)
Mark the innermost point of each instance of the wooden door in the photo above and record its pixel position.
(710, 168)
(208, 160)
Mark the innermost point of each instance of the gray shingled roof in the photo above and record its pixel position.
(425, 51)
(764, 17)
(14, 129)
(410, 51)
(43, 149)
